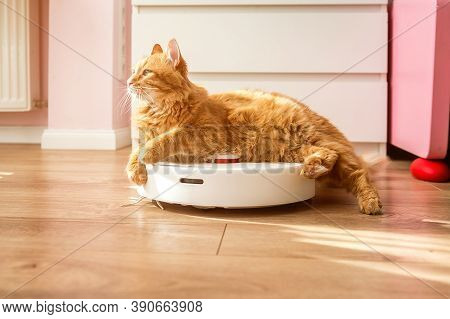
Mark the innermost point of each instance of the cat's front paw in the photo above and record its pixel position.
(313, 168)
(370, 206)
(137, 174)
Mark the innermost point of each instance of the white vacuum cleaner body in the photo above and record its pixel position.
(230, 185)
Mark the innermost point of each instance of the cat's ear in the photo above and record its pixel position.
(173, 52)
(157, 49)
(174, 55)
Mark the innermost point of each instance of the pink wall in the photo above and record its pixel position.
(37, 117)
(85, 73)
(84, 50)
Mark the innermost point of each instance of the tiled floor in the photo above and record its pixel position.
(67, 229)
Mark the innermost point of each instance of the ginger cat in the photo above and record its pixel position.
(181, 122)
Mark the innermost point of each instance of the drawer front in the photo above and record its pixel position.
(289, 39)
(296, 47)
(356, 104)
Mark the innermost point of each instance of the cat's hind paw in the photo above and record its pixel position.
(370, 206)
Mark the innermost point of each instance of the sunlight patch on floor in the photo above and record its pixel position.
(436, 221)
(426, 273)
(400, 246)
(396, 246)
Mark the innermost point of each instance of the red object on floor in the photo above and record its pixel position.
(430, 171)
(226, 158)
(225, 161)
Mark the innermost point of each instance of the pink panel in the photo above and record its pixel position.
(84, 64)
(80, 91)
(420, 76)
(121, 108)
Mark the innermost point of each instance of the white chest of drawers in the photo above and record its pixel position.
(331, 54)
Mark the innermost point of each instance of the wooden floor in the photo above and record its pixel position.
(69, 229)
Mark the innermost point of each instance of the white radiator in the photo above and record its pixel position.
(19, 54)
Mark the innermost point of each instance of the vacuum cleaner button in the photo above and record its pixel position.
(191, 181)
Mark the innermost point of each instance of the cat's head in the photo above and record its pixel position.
(160, 75)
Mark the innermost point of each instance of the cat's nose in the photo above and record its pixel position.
(130, 82)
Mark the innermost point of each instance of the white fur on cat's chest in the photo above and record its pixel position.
(237, 185)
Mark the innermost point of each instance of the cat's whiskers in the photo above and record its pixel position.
(126, 105)
(123, 104)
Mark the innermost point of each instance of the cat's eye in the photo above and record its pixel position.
(146, 72)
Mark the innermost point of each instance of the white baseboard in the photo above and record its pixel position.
(372, 153)
(21, 134)
(86, 139)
